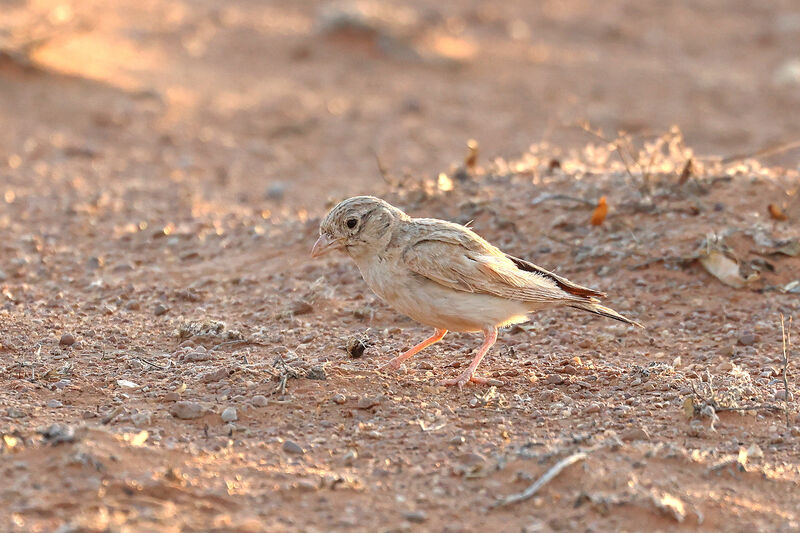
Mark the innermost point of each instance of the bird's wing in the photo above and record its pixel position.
(563, 283)
(461, 260)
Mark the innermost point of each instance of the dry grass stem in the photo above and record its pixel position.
(542, 481)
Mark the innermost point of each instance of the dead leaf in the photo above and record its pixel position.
(600, 212)
(792, 286)
(472, 154)
(688, 407)
(776, 212)
(686, 173)
(725, 269)
(790, 248)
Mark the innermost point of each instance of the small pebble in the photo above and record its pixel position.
(292, 447)
(748, 338)
(367, 402)
(13, 412)
(214, 375)
(301, 307)
(67, 339)
(339, 398)
(350, 457)
(635, 434)
(554, 379)
(160, 309)
(141, 419)
(172, 397)
(259, 400)
(186, 410)
(229, 414)
(416, 517)
(593, 408)
(58, 433)
(458, 440)
(781, 395)
(54, 404)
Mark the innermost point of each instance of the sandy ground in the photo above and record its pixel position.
(172, 360)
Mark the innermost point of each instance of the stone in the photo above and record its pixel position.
(637, 433)
(229, 414)
(367, 402)
(554, 379)
(415, 517)
(292, 447)
(186, 410)
(214, 375)
(67, 339)
(748, 338)
(141, 419)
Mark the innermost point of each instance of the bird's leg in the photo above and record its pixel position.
(490, 337)
(395, 363)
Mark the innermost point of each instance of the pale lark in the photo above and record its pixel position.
(445, 275)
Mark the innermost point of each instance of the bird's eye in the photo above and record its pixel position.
(351, 223)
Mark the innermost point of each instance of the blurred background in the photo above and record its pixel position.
(291, 100)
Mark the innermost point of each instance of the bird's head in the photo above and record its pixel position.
(356, 225)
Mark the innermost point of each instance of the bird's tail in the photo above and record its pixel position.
(602, 310)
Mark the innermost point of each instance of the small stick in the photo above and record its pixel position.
(237, 341)
(542, 481)
(382, 170)
(547, 197)
(764, 152)
(785, 338)
(160, 367)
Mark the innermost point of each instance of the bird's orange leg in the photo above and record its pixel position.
(395, 363)
(490, 337)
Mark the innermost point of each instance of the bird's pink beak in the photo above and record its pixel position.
(324, 245)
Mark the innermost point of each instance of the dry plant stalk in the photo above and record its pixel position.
(542, 481)
(785, 336)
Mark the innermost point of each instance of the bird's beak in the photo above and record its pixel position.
(324, 245)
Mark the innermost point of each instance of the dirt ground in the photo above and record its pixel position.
(171, 359)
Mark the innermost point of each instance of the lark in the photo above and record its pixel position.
(446, 276)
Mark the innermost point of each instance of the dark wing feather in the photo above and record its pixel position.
(563, 283)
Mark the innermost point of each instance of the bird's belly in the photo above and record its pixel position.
(441, 307)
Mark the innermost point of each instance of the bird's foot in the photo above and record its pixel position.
(392, 365)
(466, 377)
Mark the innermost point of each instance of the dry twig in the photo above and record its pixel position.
(764, 152)
(785, 336)
(542, 481)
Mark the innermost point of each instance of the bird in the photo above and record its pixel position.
(444, 275)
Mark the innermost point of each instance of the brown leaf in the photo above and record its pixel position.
(472, 154)
(776, 212)
(686, 173)
(600, 212)
(725, 269)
